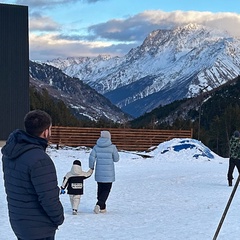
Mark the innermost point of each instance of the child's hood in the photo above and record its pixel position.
(76, 170)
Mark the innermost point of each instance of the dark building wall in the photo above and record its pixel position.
(14, 68)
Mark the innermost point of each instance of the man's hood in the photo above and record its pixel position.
(19, 142)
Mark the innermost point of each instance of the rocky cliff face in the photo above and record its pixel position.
(78, 96)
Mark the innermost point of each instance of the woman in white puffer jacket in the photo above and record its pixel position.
(102, 158)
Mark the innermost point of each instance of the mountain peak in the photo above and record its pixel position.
(191, 26)
(169, 65)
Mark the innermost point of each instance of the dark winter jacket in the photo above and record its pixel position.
(103, 155)
(234, 147)
(73, 180)
(31, 186)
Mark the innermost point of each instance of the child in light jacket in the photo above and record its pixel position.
(73, 181)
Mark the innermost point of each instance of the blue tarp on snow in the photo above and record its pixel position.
(189, 144)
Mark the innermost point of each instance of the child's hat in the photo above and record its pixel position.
(77, 162)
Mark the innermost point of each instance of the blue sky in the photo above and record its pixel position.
(68, 28)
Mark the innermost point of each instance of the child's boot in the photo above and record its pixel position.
(74, 212)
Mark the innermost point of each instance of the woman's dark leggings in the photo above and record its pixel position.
(103, 193)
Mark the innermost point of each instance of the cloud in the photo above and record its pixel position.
(114, 49)
(68, 37)
(46, 4)
(46, 47)
(122, 30)
(116, 36)
(43, 23)
(137, 27)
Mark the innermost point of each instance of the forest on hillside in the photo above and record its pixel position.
(60, 113)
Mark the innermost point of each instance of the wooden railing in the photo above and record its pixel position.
(124, 139)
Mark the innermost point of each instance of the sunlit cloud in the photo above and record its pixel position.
(139, 26)
(43, 23)
(47, 47)
(115, 37)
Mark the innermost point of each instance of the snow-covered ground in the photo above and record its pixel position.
(179, 193)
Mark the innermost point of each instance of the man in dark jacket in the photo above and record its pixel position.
(30, 180)
(234, 159)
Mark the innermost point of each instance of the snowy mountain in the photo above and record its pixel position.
(169, 65)
(83, 101)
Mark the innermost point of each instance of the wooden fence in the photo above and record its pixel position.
(124, 139)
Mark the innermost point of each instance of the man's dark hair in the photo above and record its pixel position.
(36, 122)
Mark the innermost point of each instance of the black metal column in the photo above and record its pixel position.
(14, 67)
